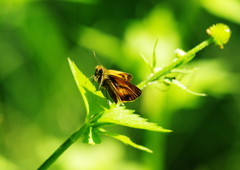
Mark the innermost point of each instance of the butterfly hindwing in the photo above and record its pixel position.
(121, 90)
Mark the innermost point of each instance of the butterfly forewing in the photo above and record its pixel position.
(120, 74)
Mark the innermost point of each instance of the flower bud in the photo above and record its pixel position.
(220, 34)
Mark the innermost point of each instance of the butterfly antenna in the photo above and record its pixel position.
(94, 54)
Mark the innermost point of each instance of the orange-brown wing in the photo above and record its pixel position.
(120, 74)
(121, 90)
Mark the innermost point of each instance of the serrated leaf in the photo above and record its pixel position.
(88, 91)
(120, 115)
(126, 140)
(91, 137)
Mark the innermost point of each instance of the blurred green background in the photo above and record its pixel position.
(40, 105)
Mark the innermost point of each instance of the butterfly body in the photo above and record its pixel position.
(117, 84)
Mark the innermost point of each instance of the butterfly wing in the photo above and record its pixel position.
(121, 90)
(120, 74)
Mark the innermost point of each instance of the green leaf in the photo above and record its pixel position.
(94, 100)
(154, 56)
(183, 87)
(120, 115)
(147, 62)
(126, 140)
(91, 136)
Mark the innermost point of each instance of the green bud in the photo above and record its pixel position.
(220, 34)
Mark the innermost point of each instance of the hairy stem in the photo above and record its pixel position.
(178, 61)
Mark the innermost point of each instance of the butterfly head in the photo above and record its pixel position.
(99, 73)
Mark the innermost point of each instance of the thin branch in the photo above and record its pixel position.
(178, 61)
(73, 138)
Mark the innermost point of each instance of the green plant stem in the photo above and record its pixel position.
(73, 138)
(178, 61)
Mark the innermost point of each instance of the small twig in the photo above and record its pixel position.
(178, 61)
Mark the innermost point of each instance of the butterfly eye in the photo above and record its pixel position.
(100, 71)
